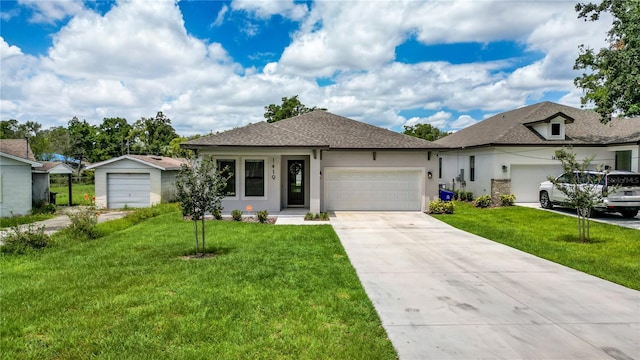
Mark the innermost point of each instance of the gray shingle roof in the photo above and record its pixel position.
(314, 129)
(514, 128)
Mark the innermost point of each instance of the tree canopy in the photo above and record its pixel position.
(424, 131)
(290, 107)
(611, 80)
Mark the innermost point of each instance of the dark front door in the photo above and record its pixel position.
(295, 196)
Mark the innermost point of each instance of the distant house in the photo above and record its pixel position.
(135, 180)
(16, 164)
(319, 161)
(512, 152)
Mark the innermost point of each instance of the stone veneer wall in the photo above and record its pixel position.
(499, 187)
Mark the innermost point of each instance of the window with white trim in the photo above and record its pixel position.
(472, 168)
(228, 169)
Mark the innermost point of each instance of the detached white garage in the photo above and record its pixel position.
(373, 189)
(135, 181)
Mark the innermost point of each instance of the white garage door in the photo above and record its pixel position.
(130, 190)
(526, 179)
(372, 189)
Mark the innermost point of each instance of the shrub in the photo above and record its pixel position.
(84, 223)
(217, 214)
(308, 216)
(43, 208)
(456, 194)
(324, 216)
(262, 216)
(236, 215)
(507, 200)
(441, 207)
(469, 196)
(483, 201)
(22, 240)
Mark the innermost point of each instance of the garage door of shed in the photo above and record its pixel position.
(128, 190)
(373, 189)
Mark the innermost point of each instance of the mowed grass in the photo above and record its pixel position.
(78, 192)
(272, 292)
(613, 253)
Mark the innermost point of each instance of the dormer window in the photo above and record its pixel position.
(551, 128)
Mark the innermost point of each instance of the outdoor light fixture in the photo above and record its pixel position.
(429, 174)
(504, 168)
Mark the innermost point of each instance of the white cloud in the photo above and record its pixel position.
(268, 8)
(7, 51)
(53, 11)
(221, 14)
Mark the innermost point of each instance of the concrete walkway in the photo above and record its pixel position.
(446, 294)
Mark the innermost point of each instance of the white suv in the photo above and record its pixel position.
(625, 199)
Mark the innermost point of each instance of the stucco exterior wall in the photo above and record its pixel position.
(495, 163)
(15, 187)
(127, 166)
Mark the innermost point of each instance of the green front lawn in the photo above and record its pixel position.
(82, 194)
(612, 254)
(272, 292)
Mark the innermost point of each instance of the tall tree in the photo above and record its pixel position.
(82, 140)
(424, 131)
(111, 138)
(290, 107)
(611, 80)
(152, 135)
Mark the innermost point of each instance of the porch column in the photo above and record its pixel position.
(314, 184)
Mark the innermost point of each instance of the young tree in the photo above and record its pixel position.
(581, 189)
(200, 191)
(612, 75)
(424, 131)
(290, 107)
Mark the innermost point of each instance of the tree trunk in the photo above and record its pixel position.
(195, 230)
(203, 246)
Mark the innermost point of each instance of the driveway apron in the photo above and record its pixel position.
(442, 293)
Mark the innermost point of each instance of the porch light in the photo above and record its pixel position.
(429, 174)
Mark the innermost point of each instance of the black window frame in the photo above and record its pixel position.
(472, 168)
(228, 167)
(254, 178)
(555, 129)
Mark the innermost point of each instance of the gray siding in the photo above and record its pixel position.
(15, 183)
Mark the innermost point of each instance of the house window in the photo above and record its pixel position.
(623, 160)
(254, 177)
(555, 129)
(228, 169)
(439, 168)
(472, 168)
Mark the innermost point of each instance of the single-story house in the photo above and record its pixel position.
(16, 164)
(322, 162)
(40, 192)
(135, 180)
(514, 151)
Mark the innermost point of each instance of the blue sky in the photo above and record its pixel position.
(214, 65)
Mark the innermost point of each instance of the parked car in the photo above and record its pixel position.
(621, 190)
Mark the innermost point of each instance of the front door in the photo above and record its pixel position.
(295, 182)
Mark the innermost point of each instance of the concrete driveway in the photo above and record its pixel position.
(446, 294)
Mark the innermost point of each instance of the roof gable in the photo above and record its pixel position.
(314, 129)
(158, 162)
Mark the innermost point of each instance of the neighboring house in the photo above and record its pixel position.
(41, 179)
(16, 163)
(514, 151)
(321, 162)
(135, 180)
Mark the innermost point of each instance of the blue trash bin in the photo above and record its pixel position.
(445, 195)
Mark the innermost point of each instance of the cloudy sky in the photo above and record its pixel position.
(214, 65)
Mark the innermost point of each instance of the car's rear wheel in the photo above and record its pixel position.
(628, 214)
(545, 202)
